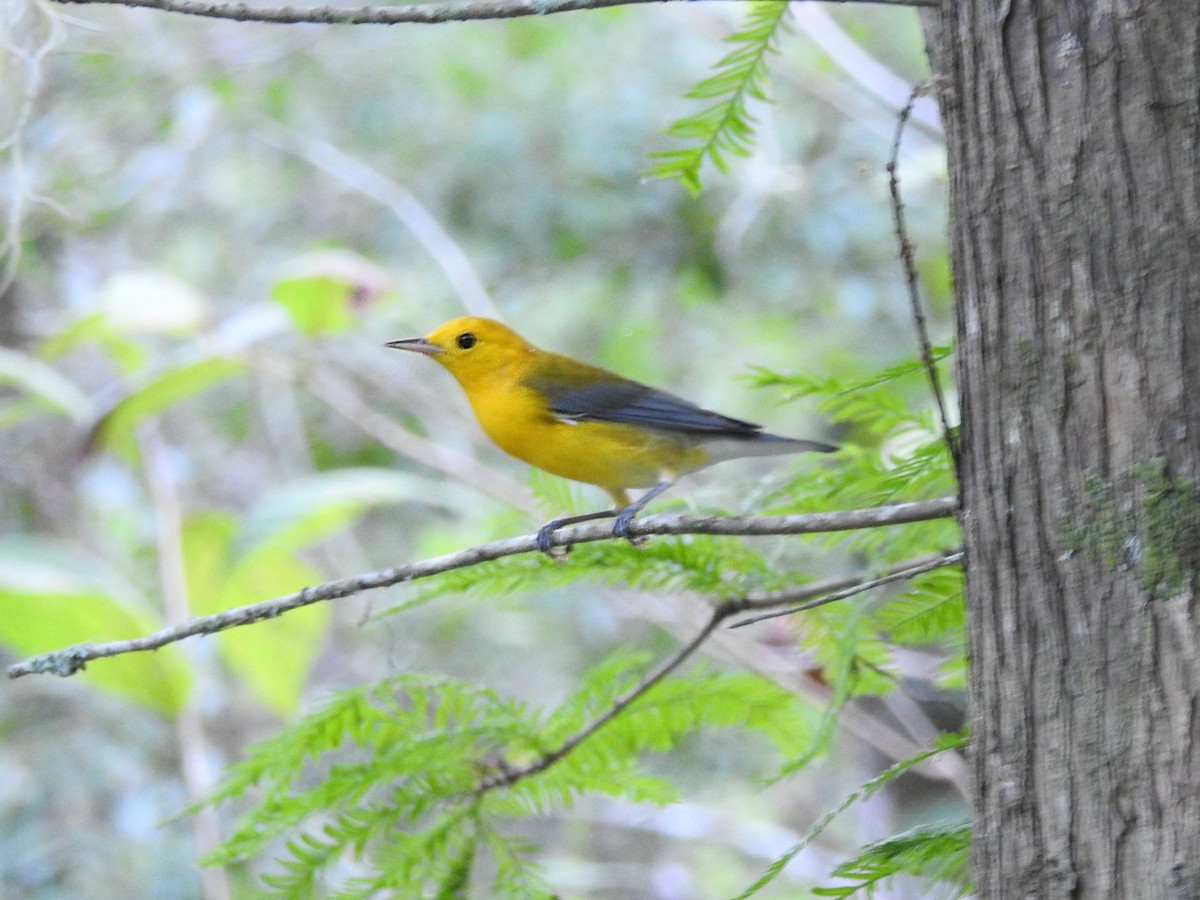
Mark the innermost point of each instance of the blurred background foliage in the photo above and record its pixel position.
(212, 229)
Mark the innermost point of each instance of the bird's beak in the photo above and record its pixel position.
(417, 345)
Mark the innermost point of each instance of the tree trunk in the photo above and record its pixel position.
(1074, 151)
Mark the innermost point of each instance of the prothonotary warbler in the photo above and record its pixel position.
(584, 423)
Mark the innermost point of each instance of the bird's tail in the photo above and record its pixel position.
(761, 444)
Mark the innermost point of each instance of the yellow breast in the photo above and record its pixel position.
(610, 455)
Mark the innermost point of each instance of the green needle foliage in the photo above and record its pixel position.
(421, 785)
(396, 777)
(936, 852)
(424, 782)
(726, 125)
(894, 452)
(923, 844)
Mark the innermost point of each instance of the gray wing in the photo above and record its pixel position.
(629, 403)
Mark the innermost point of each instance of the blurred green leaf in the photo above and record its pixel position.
(936, 278)
(127, 354)
(115, 428)
(272, 657)
(325, 291)
(226, 567)
(44, 608)
(207, 542)
(311, 508)
(316, 304)
(43, 382)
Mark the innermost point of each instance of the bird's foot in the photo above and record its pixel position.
(545, 534)
(545, 537)
(621, 525)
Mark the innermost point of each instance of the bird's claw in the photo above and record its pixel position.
(620, 529)
(544, 538)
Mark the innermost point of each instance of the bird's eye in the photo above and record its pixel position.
(466, 340)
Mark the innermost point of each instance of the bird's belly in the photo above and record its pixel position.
(610, 455)
(615, 456)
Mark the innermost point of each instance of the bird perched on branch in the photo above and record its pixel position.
(587, 424)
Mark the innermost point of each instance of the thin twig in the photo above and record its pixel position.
(340, 396)
(194, 747)
(883, 87)
(430, 13)
(827, 592)
(505, 776)
(70, 660)
(793, 669)
(28, 53)
(402, 203)
(907, 257)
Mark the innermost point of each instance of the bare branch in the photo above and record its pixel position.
(794, 669)
(505, 776)
(430, 13)
(70, 660)
(835, 589)
(402, 203)
(29, 33)
(882, 87)
(907, 257)
(341, 397)
(195, 751)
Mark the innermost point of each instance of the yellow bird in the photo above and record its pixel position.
(584, 423)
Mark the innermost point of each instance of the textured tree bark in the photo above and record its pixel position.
(1073, 129)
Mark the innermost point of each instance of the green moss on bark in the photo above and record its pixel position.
(1146, 520)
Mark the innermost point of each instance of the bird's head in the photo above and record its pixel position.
(472, 348)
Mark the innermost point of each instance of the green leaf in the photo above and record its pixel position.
(726, 126)
(559, 496)
(895, 452)
(325, 290)
(52, 390)
(115, 429)
(272, 658)
(45, 608)
(207, 546)
(227, 568)
(308, 509)
(316, 304)
(419, 743)
(721, 566)
(128, 354)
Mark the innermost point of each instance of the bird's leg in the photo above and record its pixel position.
(625, 516)
(546, 531)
